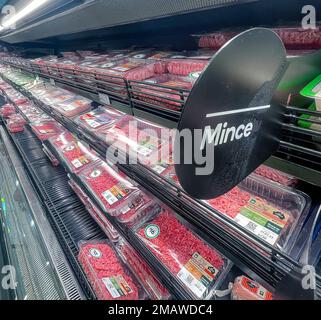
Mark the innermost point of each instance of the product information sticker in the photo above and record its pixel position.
(263, 220)
(197, 274)
(117, 286)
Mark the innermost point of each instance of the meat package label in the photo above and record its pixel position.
(79, 162)
(116, 193)
(197, 274)
(117, 286)
(255, 288)
(263, 220)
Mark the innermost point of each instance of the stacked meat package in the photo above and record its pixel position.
(109, 276)
(117, 194)
(193, 262)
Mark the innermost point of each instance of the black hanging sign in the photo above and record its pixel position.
(230, 124)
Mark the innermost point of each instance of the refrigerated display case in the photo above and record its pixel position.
(65, 103)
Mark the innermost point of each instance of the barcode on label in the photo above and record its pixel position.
(251, 226)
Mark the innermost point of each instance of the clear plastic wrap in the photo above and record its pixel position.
(298, 38)
(215, 40)
(62, 140)
(276, 175)
(77, 156)
(54, 161)
(79, 192)
(246, 289)
(141, 139)
(185, 67)
(142, 271)
(112, 189)
(129, 69)
(293, 38)
(198, 266)
(7, 110)
(16, 123)
(46, 130)
(102, 117)
(270, 211)
(103, 222)
(73, 106)
(108, 275)
(165, 96)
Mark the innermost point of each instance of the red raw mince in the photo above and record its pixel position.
(276, 175)
(215, 40)
(16, 123)
(184, 67)
(104, 180)
(231, 202)
(46, 130)
(106, 266)
(129, 69)
(136, 210)
(175, 244)
(143, 272)
(162, 98)
(20, 101)
(298, 38)
(77, 156)
(7, 110)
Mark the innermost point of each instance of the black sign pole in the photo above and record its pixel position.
(235, 126)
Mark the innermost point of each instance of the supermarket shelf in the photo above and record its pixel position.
(59, 260)
(99, 90)
(68, 204)
(269, 263)
(60, 202)
(109, 14)
(303, 173)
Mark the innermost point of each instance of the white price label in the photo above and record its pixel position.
(52, 81)
(104, 98)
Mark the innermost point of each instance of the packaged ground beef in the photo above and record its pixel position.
(142, 140)
(115, 192)
(77, 156)
(269, 211)
(108, 275)
(62, 139)
(172, 92)
(16, 123)
(129, 69)
(197, 265)
(215, 40)
(102, 117)
(7, 110)
(142, 271)
(102, 221)
(185, 67)
(73, 106)
(276, 175)
(46, 130)
(246, 289)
